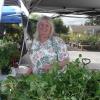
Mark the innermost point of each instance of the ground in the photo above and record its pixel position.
(93, 56)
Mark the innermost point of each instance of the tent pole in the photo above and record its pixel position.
(1, 6)
(25, 25)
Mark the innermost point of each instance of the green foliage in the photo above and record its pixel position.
(59, 26)
(31, 27)
(74, 83)
(92, 39)
(8, 45)
(64, 37)
(93, 21)
(79, 37)
(8, 50)
(13, 32)
(73, 37)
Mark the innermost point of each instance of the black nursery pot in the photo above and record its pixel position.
(5, 70)
(3, 97)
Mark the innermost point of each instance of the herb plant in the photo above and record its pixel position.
(76, 82)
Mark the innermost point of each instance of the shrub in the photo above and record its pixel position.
(74, 83)
(7, 52)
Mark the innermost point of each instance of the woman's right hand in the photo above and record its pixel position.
(46, 67)
(29, 71)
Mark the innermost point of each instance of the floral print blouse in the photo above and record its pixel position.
(46, 53)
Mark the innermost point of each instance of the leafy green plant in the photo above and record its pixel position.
(8, 50)
(74, 83)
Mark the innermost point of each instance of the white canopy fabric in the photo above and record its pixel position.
(89, 7)
(1, 5)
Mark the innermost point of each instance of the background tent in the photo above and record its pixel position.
(12, 11)
(11, 14)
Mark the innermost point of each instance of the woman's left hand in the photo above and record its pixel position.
(63, 62)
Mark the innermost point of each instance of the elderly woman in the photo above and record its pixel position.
(45, 48)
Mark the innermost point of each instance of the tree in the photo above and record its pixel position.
(31, 28)
(59, 26)
(93, 21)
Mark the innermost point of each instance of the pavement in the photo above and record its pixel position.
(93, 56)
(2, 77)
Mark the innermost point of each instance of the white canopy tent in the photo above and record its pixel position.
(88, 7)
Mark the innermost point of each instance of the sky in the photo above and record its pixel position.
(69, 20)
(73, 21)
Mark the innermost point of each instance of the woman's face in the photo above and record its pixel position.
(44, 29)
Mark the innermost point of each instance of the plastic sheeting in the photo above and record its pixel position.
(11, 14)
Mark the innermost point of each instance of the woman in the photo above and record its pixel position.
(46, 48)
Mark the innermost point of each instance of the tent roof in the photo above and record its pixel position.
(90, 7)
(68, 3)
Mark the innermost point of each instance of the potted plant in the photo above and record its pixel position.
(7, 52)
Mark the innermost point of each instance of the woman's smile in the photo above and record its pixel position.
(44, 30)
